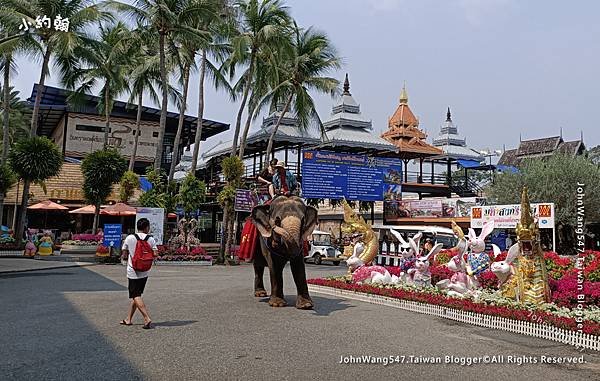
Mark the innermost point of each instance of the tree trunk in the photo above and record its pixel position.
(40, 91)
(21, 216)
(199, 125)
(186, 82)
(249, 118)
(276, 127)
(96, 219)
(6, 127)
(238, 121)
(137, 131)
(165, 100)
(107, 116)
(223, 246)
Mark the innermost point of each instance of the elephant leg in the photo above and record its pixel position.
(276, 272)
(259, 269)
(303, 301)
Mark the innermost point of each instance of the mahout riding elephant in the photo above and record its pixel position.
(283, 225)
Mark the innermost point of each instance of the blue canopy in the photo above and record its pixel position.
(507, 168)
(468, 163)
(145, 185)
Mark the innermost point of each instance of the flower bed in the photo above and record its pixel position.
(182, 254)
(487, 304)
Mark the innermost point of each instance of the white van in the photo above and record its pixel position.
(322, 249)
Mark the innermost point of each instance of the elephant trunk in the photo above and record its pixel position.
(292, 226)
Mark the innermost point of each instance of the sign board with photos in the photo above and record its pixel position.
(336, 175)
(156, 216)
(433, 208)
(507, 216)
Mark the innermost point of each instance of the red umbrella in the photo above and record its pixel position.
(119, 209)
(47, 205)
(88, 209)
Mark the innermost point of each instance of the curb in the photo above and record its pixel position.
(76, 264)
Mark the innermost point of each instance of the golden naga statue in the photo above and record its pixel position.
(355, 224)
(523, 274)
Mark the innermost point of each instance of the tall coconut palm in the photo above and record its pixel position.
(60, 44)
(221, 25)
(312, 56)
(104, 61)
(164, 16)
(261, 25)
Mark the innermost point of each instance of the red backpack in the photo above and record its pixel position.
(144, 255)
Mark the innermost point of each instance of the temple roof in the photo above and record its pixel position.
(453, 145)
(403, 132)
(541, 148)
(346, 127)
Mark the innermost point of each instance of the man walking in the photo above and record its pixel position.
(137, 279)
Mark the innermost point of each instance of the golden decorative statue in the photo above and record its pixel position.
(355, 224)
(523, 273)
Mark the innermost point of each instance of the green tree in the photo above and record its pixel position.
(554, 179)
(7, 180)
(105, 62)
(162, 194)
(219, 24)
(101, 170)
(168, 18)
(33, 159)
(129, 183)
(233, 169)
(17, 122)
(192, 193)
(312, 56)
(64, 46)
(263, 24)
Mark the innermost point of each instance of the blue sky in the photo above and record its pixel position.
(505, 67)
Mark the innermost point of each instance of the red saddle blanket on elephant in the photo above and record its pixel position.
(249, 242)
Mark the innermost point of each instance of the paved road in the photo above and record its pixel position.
(63, 324)
(9, 265)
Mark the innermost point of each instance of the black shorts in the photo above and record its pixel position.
(136, 287)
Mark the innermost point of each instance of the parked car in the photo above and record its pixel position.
(322, 250)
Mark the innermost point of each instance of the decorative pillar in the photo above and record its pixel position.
(420, 170)
(432, 171)
(449, 172)
(286, 154)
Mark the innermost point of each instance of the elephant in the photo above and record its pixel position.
(283, 226)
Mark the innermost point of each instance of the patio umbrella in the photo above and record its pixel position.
(88, 209)
(119, 209)
(46, 206)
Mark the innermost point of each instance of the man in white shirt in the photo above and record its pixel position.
(137, 279)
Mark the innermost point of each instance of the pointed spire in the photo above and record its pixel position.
(346, 86)
(404, 95)
(448, 115)
(581, 135)
(526, 218)
(561, 132)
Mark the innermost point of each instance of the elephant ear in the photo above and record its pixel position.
(260, 218)
(310, 221)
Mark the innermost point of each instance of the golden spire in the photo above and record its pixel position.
(526, 218)
(404, 95)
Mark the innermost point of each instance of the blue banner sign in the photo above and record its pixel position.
(354, 177)
(112, 235)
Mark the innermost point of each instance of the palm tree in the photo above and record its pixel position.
(33, 159)
(312, 56)
(262, 25)
(164, 16)
(105, 61)
(220, 24)
(63, 45)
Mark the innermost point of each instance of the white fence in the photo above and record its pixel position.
(544, 331)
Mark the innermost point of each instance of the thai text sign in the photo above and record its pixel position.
(156, 216)
(112, 235)
(354, 177)
(244, 202)
(507, 216)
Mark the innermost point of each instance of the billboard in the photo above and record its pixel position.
(507, 216)
(449, 208)
(335, 175)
